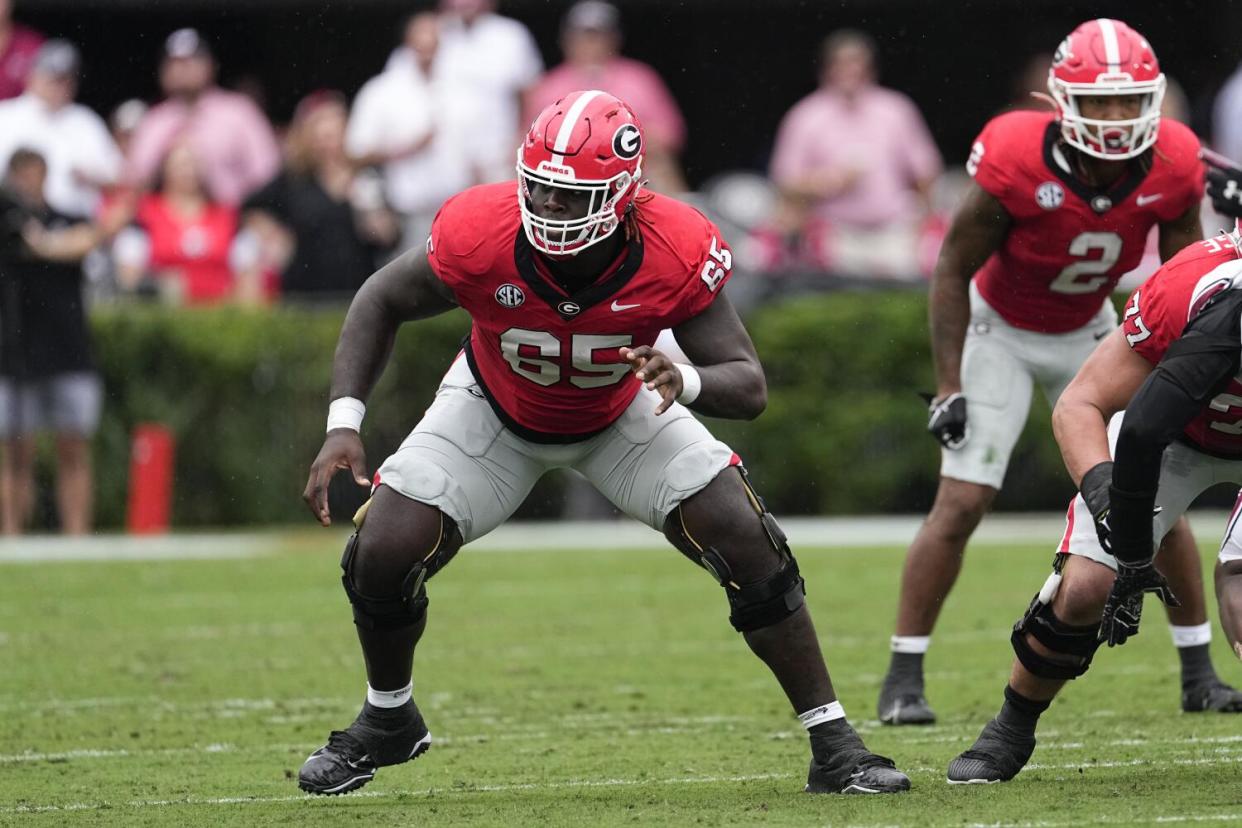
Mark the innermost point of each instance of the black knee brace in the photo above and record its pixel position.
(1079, 642)
(760, 604)
(409, 605)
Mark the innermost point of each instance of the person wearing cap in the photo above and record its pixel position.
(18, 47)
(231, 137)
(591, 43)
(74, 141)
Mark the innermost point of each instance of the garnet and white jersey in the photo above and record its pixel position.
(1070, 243)
(1159, 312)
(548, 360)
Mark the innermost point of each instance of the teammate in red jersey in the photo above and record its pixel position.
(567, 282)
(1173, 366)
(1059, 209)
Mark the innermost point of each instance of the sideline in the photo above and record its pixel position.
(833, 533)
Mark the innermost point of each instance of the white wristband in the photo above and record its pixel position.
(346, 412)
(691, 383)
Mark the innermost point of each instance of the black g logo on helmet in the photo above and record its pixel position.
(627, 141)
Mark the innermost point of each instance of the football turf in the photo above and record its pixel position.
(599, 687)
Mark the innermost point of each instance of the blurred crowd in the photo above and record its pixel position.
(198, 199)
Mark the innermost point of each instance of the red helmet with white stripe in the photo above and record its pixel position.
(588, 142)
(1107, 57)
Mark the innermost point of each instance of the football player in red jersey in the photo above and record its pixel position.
(1173, 366)
(1059, 209)
(567, 282)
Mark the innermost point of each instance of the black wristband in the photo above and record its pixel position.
(1095, 485)
(1130, 525)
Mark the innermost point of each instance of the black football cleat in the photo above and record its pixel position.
(996, 756)
(378, 737)
(1212, 695)
(852, 770)
(900, 705)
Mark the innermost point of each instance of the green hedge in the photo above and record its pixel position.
(246, 391)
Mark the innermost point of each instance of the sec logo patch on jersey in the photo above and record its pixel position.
(1050, 195)
(510, 295)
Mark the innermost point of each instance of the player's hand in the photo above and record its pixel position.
(657, 372)
(342, 449)
(1224, 184)
(1124, 607)
(946, 419)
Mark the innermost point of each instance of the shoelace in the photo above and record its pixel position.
(341, 741)
(873, 760)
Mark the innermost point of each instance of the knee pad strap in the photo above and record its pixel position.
(409, 605)
(767, 602)
(1077, 642)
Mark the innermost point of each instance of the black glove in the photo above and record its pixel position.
(946, 420)
(1224, 184)
(1094, 488)
(1124, 607)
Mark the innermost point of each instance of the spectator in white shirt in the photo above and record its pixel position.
(80, 153)
(490, 61)
(406, 121)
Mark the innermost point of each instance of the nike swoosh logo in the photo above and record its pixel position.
(616, 307)
(1101, 335)
(1148, 199)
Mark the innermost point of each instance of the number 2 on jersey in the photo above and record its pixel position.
(542, 368)
(1097, 267)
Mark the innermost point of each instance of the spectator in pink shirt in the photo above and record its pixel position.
(18, 47)
(591, 43)
(231, 137)
(855, 164)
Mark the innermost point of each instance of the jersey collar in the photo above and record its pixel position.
(569, 305)
(1099, 199)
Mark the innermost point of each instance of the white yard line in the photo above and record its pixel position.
(639, 730)
(520, 786)
(624, 783)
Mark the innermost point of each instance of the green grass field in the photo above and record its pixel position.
(603, 687)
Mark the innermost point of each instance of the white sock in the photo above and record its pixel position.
(910, 643)
(824, 713)
(1191, 636)
(389, 698)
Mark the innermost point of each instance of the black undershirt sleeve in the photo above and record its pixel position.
(1196, 367)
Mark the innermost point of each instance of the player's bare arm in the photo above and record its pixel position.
(403, 290)
(977, 231)
(1102, 387)
(733, 384)
(1182, 231)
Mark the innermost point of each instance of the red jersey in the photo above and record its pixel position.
(197, 247)
(1160, 310)
(547, 360)
(1070, 243)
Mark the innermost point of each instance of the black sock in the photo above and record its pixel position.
(1020, 713)
(834, 735)
(906, 669)
(1196, 664)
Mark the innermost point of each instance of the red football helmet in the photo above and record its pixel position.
(1107, 57)
(589, 142)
